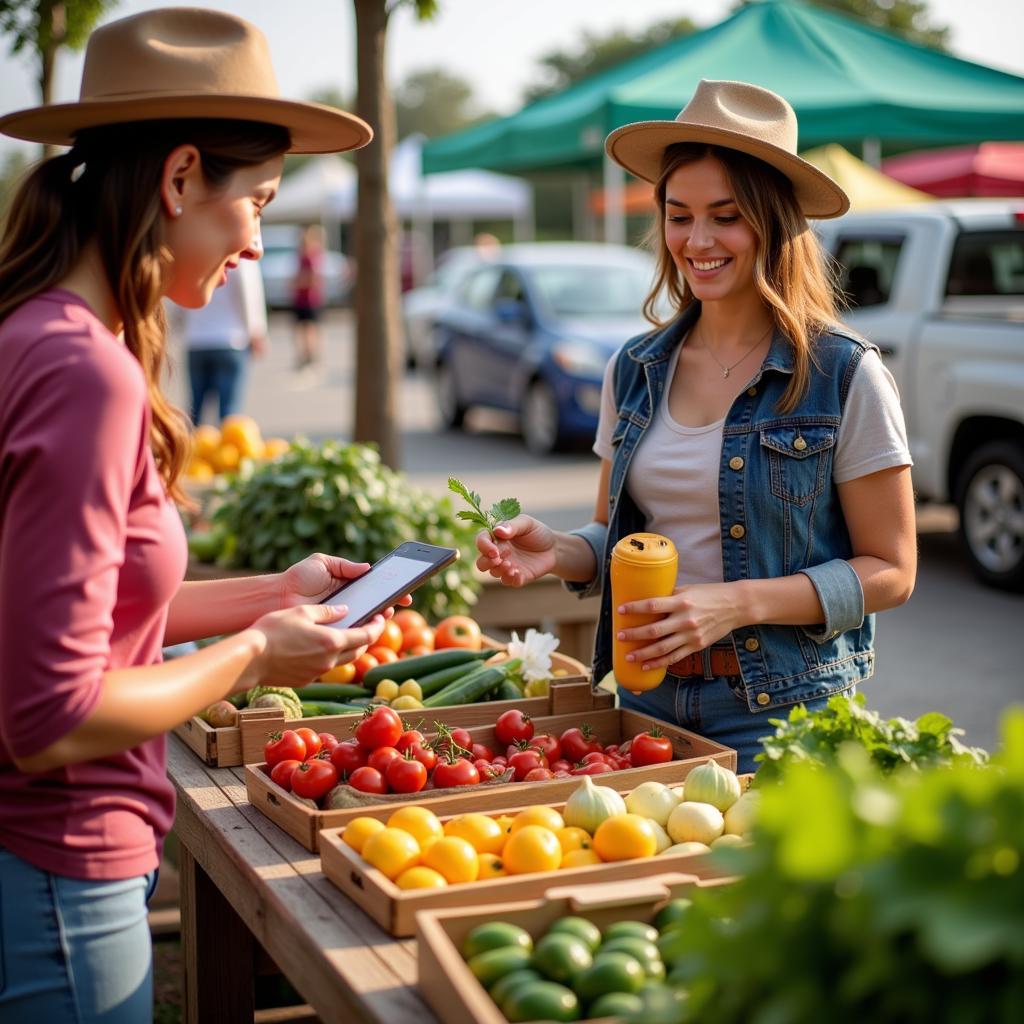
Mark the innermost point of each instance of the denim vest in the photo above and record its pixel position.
(778, 506)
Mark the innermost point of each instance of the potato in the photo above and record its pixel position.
(221, 715)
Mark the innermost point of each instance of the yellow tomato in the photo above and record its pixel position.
(625, 836)
(340, 673)
(244, 433)
(505, 823)
(546, 817)
(387, 689)
(572, 838)
(454, 858)
(204, 441)
(410, 688)
(420, 822)
(391, 851)
(580, 859)
(226, 457)
(420, 878)
(199, 469)
(358, 830)
(484, 834)
(531, 848)
(490, 866)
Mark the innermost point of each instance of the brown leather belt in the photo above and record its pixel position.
(723, 663)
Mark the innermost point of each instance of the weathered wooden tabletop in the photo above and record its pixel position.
(242, 878)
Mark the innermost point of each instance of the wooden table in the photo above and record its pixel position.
(245, 881)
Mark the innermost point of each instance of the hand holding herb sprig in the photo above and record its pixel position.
(500, 511)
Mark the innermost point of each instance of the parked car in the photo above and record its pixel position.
(422, 306)
(532, 331)
(281, 259)
(939, 288)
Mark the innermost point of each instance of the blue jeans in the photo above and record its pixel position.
(220, 371)
(73, 951)
(715, 708)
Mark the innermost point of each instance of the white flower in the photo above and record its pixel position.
(535, 650)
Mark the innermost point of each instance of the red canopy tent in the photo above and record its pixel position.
(986, 169)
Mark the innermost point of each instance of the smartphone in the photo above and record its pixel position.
(399, 572)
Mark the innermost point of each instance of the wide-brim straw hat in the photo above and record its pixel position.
(738, 116)
(182, 62)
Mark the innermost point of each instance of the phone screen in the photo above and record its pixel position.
(391, 577)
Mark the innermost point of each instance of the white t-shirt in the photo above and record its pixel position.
(679, 466)
(236, 312)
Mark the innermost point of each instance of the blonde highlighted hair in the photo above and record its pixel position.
(792, 273)
(106, 189)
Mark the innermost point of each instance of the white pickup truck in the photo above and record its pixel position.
(939, 288)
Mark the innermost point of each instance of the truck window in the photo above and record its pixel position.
(987, 263)
(866, 269)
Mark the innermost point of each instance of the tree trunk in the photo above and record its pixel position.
(50, 40)
(378, 356)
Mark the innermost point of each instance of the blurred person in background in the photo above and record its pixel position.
(308, 297)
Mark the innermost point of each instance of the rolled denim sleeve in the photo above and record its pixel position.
(596, 535)
(842, 599)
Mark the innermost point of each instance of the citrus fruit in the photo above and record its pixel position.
(420, 877)
(226, 457)
(420, 822)
(391, 851)
(204, 441)
(546, 817)
(625, 836)
(358, 830)
(244, 433)
(495, 935)
(454, 858)
(483, 833)
(274, 447)
(530, 849)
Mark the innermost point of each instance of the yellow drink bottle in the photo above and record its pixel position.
(643, 565)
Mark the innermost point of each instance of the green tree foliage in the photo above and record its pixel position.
(435, 102)
(906, 18)
(598, 52)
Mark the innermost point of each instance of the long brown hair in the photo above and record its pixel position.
(107, 188)
(791, 271)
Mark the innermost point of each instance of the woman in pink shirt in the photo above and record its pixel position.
(176, 145)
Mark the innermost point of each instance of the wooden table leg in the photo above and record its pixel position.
(217, 951)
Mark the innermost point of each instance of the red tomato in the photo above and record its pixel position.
(392, 636)
(408, 738)
(418, 641)
(408, 618)
(525, 761)
(561, 765)
(328, 741)
(406, 775)
(612, 748)
(348, 756)
(458, 631)
(499, 762)
(459, 772)
(596, 757)
(426, 756)
(487, 769)
(562, 774)
(455, 738)
(548, 745)
(513, 726)
(578, 742)
(312, 741)
(281, 773)
(368, 780)
(283, 746)
(481, 752)
(597, 768)
(380, 727)
(651, 747)
(415, 652)
(539, 775)
(363, 664)
(314, 779)
(384, 655)
(382, 757)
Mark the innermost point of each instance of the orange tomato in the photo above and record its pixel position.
(532, 848)
(458, 631)
(406, 618)
(415, 652)
(363, 664)
(384, 655)
(414, 637)
(339, 674)
(392, 636)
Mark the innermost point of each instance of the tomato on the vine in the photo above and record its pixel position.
(406, 774)
(459, 772)
(578, 742)
(311, 739)
(408, 738)
(426, 756)
(548, 745)
(348, 756)
(651, 747)
(314, 779)
(512, 727)
(380, 727)
(524, 761)
(382, 757)
(368, 780)
(281, 773)
(283, 746)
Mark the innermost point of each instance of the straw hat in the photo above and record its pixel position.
(182, 62)
(734, 115)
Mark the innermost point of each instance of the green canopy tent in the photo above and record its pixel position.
(849, 83)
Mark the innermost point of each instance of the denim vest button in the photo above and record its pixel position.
(763, 698)
(799, 444)
(751, 643)
(737, 532)
(752, 392)
(736, 462)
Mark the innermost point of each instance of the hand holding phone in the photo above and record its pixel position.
(399, 572)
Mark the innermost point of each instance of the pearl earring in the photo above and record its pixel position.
(177, 211)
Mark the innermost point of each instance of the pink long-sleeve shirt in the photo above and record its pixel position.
(91, 553)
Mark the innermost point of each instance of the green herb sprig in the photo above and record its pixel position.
(500, 511)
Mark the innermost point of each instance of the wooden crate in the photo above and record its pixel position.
(449, 986)
(394, 909)
(243, 743)
(610, 726)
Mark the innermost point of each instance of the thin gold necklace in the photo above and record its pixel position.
(726, 370)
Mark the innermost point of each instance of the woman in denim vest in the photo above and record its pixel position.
(750, 428)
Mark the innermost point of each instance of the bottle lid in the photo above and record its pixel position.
(645, 549)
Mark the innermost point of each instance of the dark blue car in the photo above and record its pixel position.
(532, 331)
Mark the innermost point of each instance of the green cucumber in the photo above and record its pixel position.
(435, 681)
(473, 687)
(507, 691)
(414, 668)
(331, 691)
(317, 709)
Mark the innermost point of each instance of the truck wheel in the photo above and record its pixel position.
(990, 497)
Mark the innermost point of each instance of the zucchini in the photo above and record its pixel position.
(331, 691)
(430, 684)
(507, 691)
(473, 687)
(316, 709)
(424, 664)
